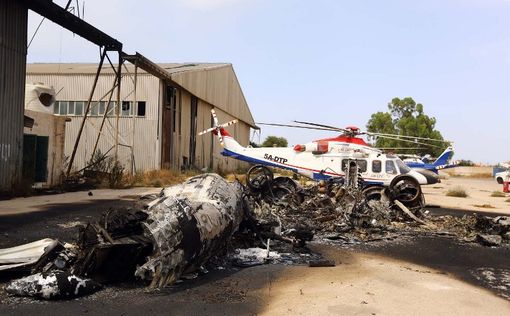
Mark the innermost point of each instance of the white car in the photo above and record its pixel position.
(502, 176)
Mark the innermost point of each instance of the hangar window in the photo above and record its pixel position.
(126, 108)
(78, 107)
(111, 109)
(102, 106)
(63, 108)
(94, 108)
(70, 108)
(75, 108)
(140, 108)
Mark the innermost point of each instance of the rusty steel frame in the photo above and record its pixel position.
(80, 131)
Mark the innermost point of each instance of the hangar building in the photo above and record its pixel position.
(159, 123)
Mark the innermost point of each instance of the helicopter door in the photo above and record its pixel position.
(362, 165)
(390, 167)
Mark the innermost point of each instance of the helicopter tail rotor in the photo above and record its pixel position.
(217, 128)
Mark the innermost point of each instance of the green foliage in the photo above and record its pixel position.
(274, 141)
(406, 117)
(466, 163)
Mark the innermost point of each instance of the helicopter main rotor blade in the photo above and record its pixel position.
(398, 148)
(410, 141)
(298, 126)
(324, 126)
(407, 136)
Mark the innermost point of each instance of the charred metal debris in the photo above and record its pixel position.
(350, 211)
(209, 219)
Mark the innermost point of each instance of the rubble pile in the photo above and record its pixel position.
(488, 231)
(334, 210)
(327, 209)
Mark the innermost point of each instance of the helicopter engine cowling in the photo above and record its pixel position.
(317, 148)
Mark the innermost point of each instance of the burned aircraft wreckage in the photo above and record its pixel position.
(177, 232)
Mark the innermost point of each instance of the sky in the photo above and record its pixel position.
(327, 61)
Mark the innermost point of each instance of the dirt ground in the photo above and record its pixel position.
(415, 275)
(479, 192)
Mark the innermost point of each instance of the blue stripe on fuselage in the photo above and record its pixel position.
(315, 175)
(229, 153)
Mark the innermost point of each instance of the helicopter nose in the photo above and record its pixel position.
(430, 176)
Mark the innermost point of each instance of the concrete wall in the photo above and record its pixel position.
(54, 127)
(468, 171)
(13, 43)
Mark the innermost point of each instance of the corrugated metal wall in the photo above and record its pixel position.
(218, 86)
(77, 88)
(205, 143)
(147, 148)
(13, 44)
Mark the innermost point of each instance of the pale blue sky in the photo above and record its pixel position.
(333, 62)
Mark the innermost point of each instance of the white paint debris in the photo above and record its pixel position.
(25, 255)
(52, 285)
(254, 255)
(45, 286)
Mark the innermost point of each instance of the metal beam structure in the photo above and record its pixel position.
(87, 109)
(144, 63)
(62, 17)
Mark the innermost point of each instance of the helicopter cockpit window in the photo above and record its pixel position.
(402, 166)
(390, 167)
(376, 166)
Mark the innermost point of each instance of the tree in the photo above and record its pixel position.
(274, 141)
(406, 117)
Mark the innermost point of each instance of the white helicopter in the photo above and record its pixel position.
(326, 158)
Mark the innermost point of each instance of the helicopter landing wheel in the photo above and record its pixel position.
(259, 177)
(406, 189)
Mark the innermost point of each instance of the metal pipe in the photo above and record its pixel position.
(71, 160)
(134, 120)
(118, 107)
(111, 64)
